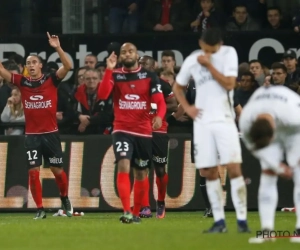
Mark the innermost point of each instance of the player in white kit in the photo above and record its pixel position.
(214, 69)
(270, 126)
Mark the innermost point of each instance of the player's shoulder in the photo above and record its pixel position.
(192, 58)
(228, 50)
(163, 82)
(144, 73)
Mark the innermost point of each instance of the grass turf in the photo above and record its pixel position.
(104, 231)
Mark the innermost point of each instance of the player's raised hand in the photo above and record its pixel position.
(111, 61)
(53, 41)
(194, 112)
(204, 60)
(156, 122)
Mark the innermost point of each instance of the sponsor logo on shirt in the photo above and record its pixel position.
(121, 77)
(132, 97)
(37, 103)
(36, 97)
(27, 83)
(142, 75)
(132, 103)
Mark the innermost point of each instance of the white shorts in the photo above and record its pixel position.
(271, 156)
(213, 140)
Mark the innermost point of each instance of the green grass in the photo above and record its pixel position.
(104, 231)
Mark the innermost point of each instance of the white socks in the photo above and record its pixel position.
(267, 200)
(239, 197)
(297, 194)
(215, 195)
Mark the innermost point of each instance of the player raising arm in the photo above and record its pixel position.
(133, 90)
(214, 69)
(39, 98)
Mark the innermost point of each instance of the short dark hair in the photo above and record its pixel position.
(212, 36)
(168, 53)
(255, 61)
(240, 6)
(92, 55)
(248, 73)
(11, 65)
(278, 65)
(261, 132)
(38, 57)
(18, 59)
(274, 8)
(92, 70)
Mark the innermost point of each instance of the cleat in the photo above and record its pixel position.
(296, 239)
(243, 227)
(160, 210)
(146, 213)
(208, 213)
(126, 218)
(67, 206)
(136, 220)
(40, 214)
(216, 229)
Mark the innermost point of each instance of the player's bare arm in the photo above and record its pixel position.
(227, 82)
(66, 63)
(191, 110)
(5, 73)
(171, 104)
(106, 85)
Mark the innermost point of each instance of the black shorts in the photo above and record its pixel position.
(160, 148)
(135, 148)
(43, 145)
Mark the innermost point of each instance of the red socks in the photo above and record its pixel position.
(36, 187)
(162, 186)
(62, 183)
(139, 194)
(145, 201)
(123, 186)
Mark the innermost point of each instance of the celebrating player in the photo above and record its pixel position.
(39, 97)
(160, 143)
(270, 126)
(133, 89)
(214, 69)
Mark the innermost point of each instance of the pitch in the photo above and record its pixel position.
(104, 231)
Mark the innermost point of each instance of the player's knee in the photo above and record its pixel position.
(234, 170)
(159, 170)
(140, 174)
(123, 166)
(210, 173)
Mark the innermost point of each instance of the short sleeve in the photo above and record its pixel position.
(184, 74)
(231, 64)
(166, 89)
(55, 79)
(155, 85)
(17, 79)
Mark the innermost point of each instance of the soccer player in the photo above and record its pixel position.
(133, 88)
(160, 146)
(39, 98)
(214, 69)
(270, 126)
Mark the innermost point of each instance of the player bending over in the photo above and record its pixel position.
(133, 90)
(214, 69)
(39, 98)
(270, 126)
(160, 146)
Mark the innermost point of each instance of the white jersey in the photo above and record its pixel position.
(278, 101)
(215, 101)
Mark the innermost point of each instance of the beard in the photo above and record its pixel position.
(128, 64)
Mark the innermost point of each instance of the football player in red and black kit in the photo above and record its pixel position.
(39, 98)
(160, 143)
(133, 89)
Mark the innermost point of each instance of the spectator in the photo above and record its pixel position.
(243, 67)
(94, 115)
(90, 61)
(166, 15)
(287, 7)
(19, 60)
(13, 112)
(267, 81)
(279, 73)
(290, 62)
(208, 17)
(275, 21)
(79, 76)
(247, 87)
(257, 69)
(101, 66)
(168, 61)
(51, 67)
(296, 21)
(168, 76)
(123, 16)
(241, 21)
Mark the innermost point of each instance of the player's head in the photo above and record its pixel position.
(147, 62)
(262, 131)
(91, 78)
(128, 55)
(34, 65)
(211, 40)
